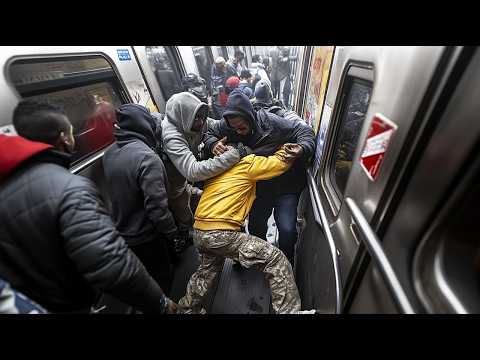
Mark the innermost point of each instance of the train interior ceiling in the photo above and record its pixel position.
(386, 222)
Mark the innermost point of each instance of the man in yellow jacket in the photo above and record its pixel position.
(222, 210)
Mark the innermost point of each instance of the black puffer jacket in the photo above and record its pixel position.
(269, 131)
(57, 242)
(137, 179)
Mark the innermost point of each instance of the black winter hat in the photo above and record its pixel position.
(238, 104)
(263, 93)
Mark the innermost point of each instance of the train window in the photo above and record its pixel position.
(354, 107)
(86, 87)
(204, 63)
(165, 71)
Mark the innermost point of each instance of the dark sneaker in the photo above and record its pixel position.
(237, 266)
(311, 312)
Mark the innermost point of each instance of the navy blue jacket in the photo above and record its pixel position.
(269, 132)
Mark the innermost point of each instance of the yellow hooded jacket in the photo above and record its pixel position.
(228, 197)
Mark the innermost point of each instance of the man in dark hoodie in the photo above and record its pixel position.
(57, 242)
(137, 183)
(264, 132)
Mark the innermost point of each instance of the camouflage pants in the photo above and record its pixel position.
(216, 245)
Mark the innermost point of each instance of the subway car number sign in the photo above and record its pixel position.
(378, 138)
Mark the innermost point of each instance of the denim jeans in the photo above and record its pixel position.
(285, 214)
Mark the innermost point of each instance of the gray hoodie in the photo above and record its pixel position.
(181, 144)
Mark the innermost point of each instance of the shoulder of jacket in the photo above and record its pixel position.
(136, 149)
(270, 116)
(76, 184)
(211, 122)
(150, 164)
(56, 174)
(170, 132)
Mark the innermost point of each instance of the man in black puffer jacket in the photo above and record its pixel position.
(57, 242)
(137, 184)
(264, 132)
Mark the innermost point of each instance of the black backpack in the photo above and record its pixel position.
(277, 108)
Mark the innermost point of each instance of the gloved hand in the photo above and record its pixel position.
(169, 306)
(243, 150)
(194, 191)
(182, 241)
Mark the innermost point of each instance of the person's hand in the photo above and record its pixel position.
(181, 241)
(243, 150)
(219, 148)
(294, 151)
(172, 307)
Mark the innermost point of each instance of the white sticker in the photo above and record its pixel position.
(377, 144)
(8, 130)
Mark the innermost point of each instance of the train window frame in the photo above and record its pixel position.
(209, 62)
(178, 68)
(354, 71)
(112, 77)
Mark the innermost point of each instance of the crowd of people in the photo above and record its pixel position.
(275, 70)
(60, 246)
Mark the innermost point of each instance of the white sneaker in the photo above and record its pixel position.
(312, 312)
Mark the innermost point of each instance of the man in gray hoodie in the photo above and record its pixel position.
(183, 127)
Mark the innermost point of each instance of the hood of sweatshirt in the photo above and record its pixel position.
(181, 110)
(15, 150)
(239, 104)
(135, 122)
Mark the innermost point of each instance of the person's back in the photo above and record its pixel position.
(131, 180)
(228, 197)
(58, 245)
(121, 167)
(137, 182)
(34, 201)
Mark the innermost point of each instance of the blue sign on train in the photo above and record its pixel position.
(123, 54)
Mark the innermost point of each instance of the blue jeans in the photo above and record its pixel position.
(285, 215)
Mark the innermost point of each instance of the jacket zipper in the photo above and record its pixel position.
(261, 139)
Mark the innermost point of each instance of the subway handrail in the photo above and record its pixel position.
(374, 247)
(321, 220)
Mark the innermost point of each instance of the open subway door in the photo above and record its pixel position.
(371, 116)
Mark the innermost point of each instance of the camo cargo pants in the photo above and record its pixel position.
(216, 245)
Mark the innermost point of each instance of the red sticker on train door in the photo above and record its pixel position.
(378, 139)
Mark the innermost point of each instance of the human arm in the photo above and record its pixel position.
(303, 135)
(216, 131)
(100, 254)
(192, 169)
(152, 180)
(265, 168)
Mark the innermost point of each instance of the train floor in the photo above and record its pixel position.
(236, 290)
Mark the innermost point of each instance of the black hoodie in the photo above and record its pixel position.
(136, 178)
(57, 241)
(269, 132)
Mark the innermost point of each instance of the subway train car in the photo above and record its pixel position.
(387, 221)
